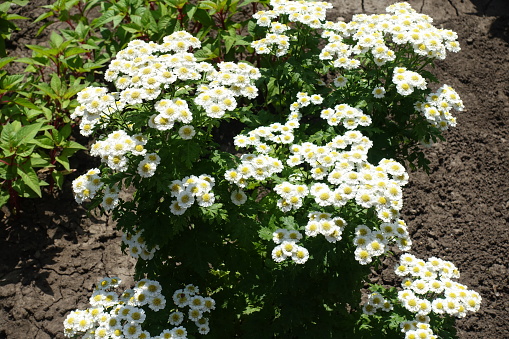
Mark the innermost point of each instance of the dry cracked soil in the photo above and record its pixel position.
(52, 255)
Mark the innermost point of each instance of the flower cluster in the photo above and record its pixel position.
(189, 190)
(258, 167)
(323, 223)
(406, 81)
(432, 279)
(291, 195)
(376, 302)
(418, 328)
(189, 296)
(272, 42)
(349, 117)
(348, 175)
(231, 81)
(438, 106)
(169, 112)
(136, 246)
(427, 288)
(287, 246)
(150, 72)
(376, 39)
(122, 316)
(115, 149)
(237, 77)
(311, 14)
(110, 198)
(382, 36)
(372, 243)
(341, 173)
(307, 13)
(114, 316)
(95, 102)
(87, 185)
(276, 133)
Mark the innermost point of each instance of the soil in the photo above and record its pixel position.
(54, 252)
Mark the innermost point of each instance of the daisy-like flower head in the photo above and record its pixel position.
(378, 92)
(362, 255)
(301, 255)
(238, 197)
(187, 132)
(176, 318)
(279, 235)
(181, 298)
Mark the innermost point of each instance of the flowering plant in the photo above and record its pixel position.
(276, 183)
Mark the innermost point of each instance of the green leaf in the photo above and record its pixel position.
(191, 152)
(65, 131)
(44, 141)
(106, 17)
(50, 52)
(5, 61)
(190, 10)
(265, 233)
(25, 150)
(56, 84)
(44, 26)
(207, 5)
(147, 20)
(56, 40)
(4, 197)
(28, 133)
(5, 7)
(20, 3)
(31, 61)
(43, 16)
(74, 51)
(74, 145)
(46, 89)
(58, 177)
(26, 103)
(8, 135)
(31, 114)
(30, 179)
(246, 2)
(64, 161)
(229, 42)
(9, 81)
(37, 161)
(132, 28)
(204, 18)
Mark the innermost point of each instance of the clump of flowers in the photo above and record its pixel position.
(122, 316)
(313, 188)
(198, 306)
(150, 72)
(428, 291)
(288, 247)
(189, 190)
(340, 174)
(428, 286)
(136, 246)
(438, 105)
(87, 185)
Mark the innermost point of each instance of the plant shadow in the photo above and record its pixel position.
(498, 9)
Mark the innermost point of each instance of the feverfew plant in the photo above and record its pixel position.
(275, 183)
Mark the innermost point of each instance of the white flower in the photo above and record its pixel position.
(187, 132)
(238, 197)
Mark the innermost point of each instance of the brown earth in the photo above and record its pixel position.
(53, 254)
